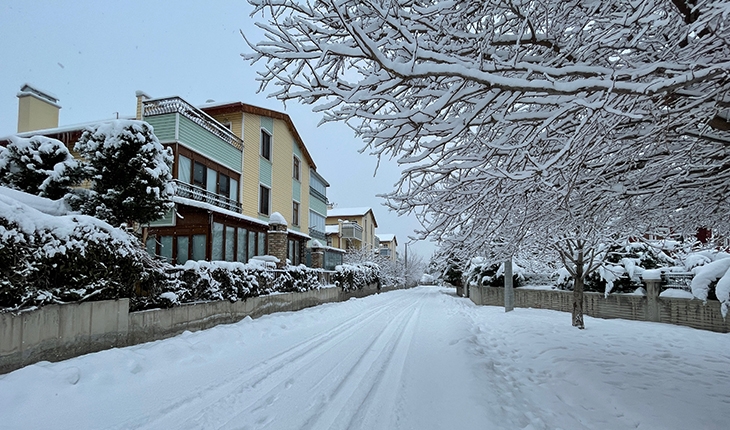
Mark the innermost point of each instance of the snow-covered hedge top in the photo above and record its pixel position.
(67, 231)
(42, 204)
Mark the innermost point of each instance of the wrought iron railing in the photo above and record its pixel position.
(192, 192)
(316, 234)
(682, 281)
(176, 104)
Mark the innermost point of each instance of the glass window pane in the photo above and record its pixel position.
(263, 200)
(262, 244)
(199, 242)
(224, 185)
(241, 248)
(233, 195)
(230, 243)
(183, 169)
(182, 249)
(217, 251)
(166, 248)
(151, 245)
(212, 183)
(199, 174)
(251, 244)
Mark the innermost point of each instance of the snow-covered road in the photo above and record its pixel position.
(415, 359)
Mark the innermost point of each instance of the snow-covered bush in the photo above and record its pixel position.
(621, 269)
(198, 281)
(712, 280)
(490, 274)
(351, 277)
(39, 165)
(51, 259)
(130, 172)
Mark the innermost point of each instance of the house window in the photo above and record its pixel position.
(295, 213)
(183, 255)
(230, 243)
(224, 185)
(241, 243)
(199, 174)
(264, 200)
(199, 244)
(233, 195)
(183, 169)
(217, 245)
(296, 168)
(265, 145)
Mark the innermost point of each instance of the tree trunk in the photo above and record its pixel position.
(578, 292)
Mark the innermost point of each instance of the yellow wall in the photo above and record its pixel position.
(251, 142)
(248, 127)
(35, 114)
(368, 238)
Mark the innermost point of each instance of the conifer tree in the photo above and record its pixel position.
(130, 173)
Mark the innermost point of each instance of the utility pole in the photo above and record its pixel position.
(509, 291)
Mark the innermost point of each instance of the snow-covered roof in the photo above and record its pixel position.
(210, 207)
(331, 229)
(65, 128)
(386, 237)
(348, 211)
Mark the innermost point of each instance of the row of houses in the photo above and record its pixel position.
(235, 165)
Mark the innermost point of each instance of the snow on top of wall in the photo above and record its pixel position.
(277, 218)
(676, 293)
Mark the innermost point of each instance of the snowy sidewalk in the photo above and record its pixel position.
(415, 359)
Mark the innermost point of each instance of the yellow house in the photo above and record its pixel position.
(278, 171)
(388, 246)
(352, 228)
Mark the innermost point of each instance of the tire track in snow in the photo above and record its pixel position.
(234, 385)
(361, 393)
(343, 375)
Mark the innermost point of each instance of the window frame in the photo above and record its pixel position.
(205, 175)
(265, 147)
(296, 168)
(295, 212)
(263, 187)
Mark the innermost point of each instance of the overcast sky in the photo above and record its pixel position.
(93, 56)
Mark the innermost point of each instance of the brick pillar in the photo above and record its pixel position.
(317, 255)
(278, 239)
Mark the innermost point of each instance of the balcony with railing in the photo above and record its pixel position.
(316, 234)
(351, 230)
(193, 192)
(177, 105)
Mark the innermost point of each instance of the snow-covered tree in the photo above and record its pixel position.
(523, 122)
(39, 165)
(130, 172)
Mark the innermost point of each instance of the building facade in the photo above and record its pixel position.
(352, 229)
(388, 246)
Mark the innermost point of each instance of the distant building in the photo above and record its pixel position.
(388, 246)
(352, 229)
